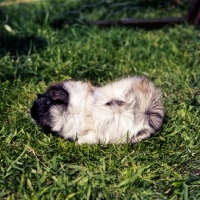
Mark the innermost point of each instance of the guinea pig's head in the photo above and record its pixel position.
(55, 95)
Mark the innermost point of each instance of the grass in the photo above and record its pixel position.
(33, 55)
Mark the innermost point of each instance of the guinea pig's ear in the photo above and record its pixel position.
(58, 95)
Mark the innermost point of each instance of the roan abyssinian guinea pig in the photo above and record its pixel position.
(127, 110)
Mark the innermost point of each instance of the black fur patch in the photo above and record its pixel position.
(115, 102)
(142, 134)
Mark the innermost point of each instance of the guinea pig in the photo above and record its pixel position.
(64, 109)
(127, 110)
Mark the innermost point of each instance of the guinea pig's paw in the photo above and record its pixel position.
(89, 137)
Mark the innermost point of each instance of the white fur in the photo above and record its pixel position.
(114, 123)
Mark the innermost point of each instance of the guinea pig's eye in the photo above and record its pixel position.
(47, 102)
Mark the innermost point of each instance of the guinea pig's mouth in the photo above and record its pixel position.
(35, 112)
(36, 121)
(35, 118)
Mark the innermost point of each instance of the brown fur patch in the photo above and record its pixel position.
(89, 88)
(144, 85)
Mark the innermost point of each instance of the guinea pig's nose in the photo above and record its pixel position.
(39, 95)
(33, 111)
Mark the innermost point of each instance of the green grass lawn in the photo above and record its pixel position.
(33, 54)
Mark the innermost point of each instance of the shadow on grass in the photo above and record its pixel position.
(17, 45)
(17, 48)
